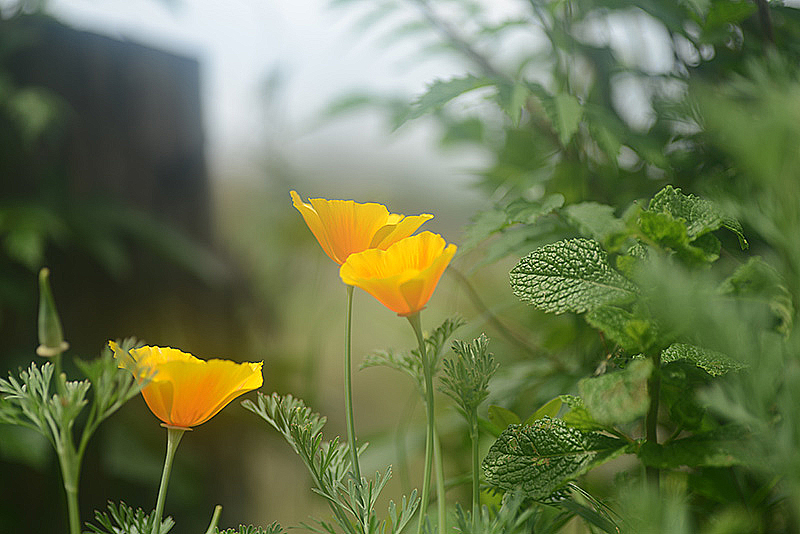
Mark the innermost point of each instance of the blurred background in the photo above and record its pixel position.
(147, 151)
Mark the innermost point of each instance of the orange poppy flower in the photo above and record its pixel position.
(403, 276)
(344, 227)
(185, 391)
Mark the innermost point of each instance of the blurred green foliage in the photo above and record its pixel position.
(587, 108)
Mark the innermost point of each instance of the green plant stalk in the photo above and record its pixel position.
(348, 387)
(651, 421)
(428, 375)
(70, 462)
(476, 483)
(441, 505)
(174, 435)
(214, 519)
(70, 473)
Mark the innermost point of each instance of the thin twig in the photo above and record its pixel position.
(766, 20)
(457, 41)
(493, 320)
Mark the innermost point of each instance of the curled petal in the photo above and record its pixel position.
(404, 276)
(344, 227)
(183, 390)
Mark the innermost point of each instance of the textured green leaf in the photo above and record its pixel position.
(706, 248)
(571, 275)
(632, 333)
(721, 447)
(594, 220)
(578, 416)
(542, 457)
(712, 362)
(701, 216)
(664, 229)
(757, 280)
(619, 397)
(502, 417)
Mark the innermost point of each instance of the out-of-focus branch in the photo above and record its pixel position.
(766, 20)
(493, 320)
(457, 41)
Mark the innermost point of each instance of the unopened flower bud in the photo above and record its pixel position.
(51, 337)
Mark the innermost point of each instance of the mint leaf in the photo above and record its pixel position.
(578, 416)
(594, 220)
(759, 281)
(502, 417)
(528, 211)
(566, 113)
(721, 447)
(701, 216)
(571, 275)
(548, 409)
(520, 211)
(619, 397)
(632, 333)
(713, 362)
(440, 92)
(664, 229)
(544, 456)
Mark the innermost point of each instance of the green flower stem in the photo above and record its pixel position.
(348, 387)
(441, 507)
(70, 473)
(476, 484)
(651, 422)
(428, 374)
(214, 519)
(174, 435)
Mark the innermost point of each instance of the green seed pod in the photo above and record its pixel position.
(51, 337)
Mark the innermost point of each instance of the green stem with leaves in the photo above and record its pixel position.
(174, 435)
(348, 387)
(428, 375)
(651, 422)
(68, 458)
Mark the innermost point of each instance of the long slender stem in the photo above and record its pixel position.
(74, 512)
(214, 519)
(651, 422)
(438, 466)
(476, 484)
(174, 435)
(348, 387)
(428, 374)
(70, 469)
(70, 462)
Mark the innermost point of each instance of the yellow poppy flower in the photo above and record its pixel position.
(344, 227)
(185, 391)
(403, 276)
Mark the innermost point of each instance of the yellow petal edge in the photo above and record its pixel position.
(183, 390)
(344, 227)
